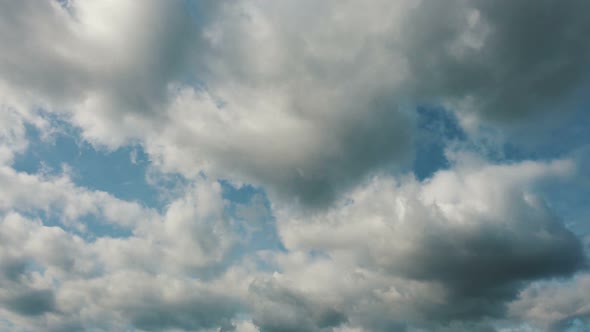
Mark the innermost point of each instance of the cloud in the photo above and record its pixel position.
(553, 305)
(456, 247)
(12, 135)
(314, 105)
(55, 280)
(59, 197)
(150, 302)
(304, 98)
(278, 308)
(451, 252)
(94, 62)
(511, 60)
(193, 234)
(32, 303)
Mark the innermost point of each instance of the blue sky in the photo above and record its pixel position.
(294, 166)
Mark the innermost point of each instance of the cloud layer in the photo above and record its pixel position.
(284, 140)
(325, 87)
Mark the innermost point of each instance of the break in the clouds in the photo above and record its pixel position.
(303, 165)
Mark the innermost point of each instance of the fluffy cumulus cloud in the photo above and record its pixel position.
(325, 86)
(55, 279)
(287, 143)
(557, 306)
(456, 247)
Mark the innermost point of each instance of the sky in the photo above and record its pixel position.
(295, 165)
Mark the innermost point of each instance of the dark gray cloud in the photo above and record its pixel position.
(31, 302)
(514, 60)
(11, 268)
(486, 263)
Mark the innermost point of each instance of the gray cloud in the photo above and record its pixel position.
(53, 280)
(32, 302)
(65, 53)
(455, 249)
(12, 268)
(190, 313)
(512, 59)
(555, 306)
(483, 259)
(279, 309)
(305, 99)
(449, 253)
(308, 100)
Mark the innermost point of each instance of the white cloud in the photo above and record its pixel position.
(304, 98)
(458, 246)
(555, 305)
(12, 135)
(55, 280)
(313, 102)
(58, 196)
(193, 234)
(390, 254)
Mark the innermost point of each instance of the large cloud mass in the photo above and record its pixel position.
(456, 247)
(304, 97)
(283, 138)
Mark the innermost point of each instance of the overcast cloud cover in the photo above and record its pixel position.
(297, 165)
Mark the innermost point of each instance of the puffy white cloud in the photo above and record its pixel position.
(12, 135)
(194, 233)
(314, 103)
(59, 197)
(148, 302)
(31, 256)
(447, 253)
(555, 305)
(302, 97)
(456, 247)
(169, 274)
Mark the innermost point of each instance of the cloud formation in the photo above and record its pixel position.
(391, 255)
(53, 279)
(292, 131)
(558, 306)
(456, 247)
(306, 98)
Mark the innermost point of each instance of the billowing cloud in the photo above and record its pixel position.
(305, 98)
(456, 247)
(290, 131)
(59, 197)
(556, 305)
(453, 251)
(55, 280)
